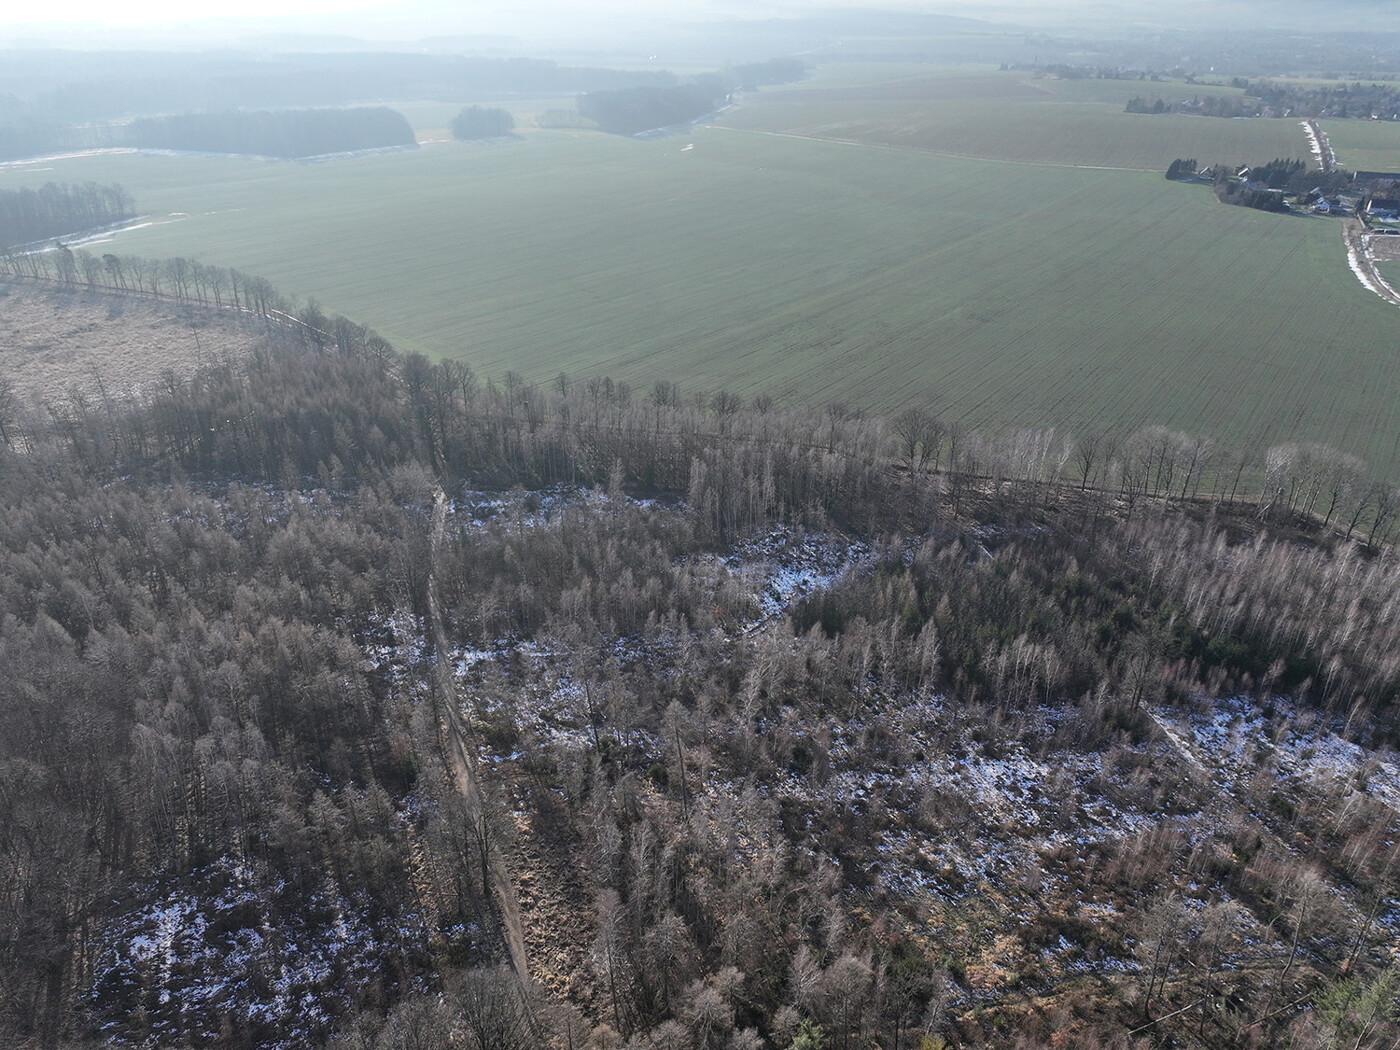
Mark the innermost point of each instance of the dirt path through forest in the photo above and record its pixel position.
(460, 757)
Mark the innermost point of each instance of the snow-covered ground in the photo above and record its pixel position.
(783, 564)
(1237, 739)
(961, 805)
(208, 955)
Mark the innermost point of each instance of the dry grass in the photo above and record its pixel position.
(57, 343)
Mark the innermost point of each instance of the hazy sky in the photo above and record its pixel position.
(407, 20)
(90, 22)
(155, 12)
(517, 13)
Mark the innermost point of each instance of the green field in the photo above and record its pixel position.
(1000, 294)
(1018, 118)
(1365, 145)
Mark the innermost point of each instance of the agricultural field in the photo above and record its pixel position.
(1017, 117)
(965, 264)
(1366, 145)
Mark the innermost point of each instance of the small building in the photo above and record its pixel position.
(1386, 209)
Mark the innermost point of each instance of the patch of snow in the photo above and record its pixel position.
(783, 564)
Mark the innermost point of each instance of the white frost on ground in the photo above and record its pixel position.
(1362, 274)
(1237, 741)
(519, 509)
(1021, 804)
(206, 952)
(782, 564)
(1314, 143)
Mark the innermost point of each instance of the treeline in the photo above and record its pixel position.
(183, 280)
(480, 122)
(68, 88)
(1204, 106)
(1070, 71)
(627, 111)
(1278, 173)
(1182, 168)
(1263, 186)
(1155, 466)
(33, 138)
(55, 101)
(60, 103)
(281, 133)
(56, 210)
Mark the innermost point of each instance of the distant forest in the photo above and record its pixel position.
(279, 133)
(56, 101)
(627, 111)
(630, 110)
(480, 122)
(287, 134)
(56, 210)
(64, 102)
(75, 87)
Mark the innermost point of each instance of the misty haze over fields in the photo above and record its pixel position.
(698, 29)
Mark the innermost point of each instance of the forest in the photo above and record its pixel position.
(359, 701)
(481, 122)
(283, 133)
(58, 209)
(56, 101)
(78, 87)
(627, 111)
